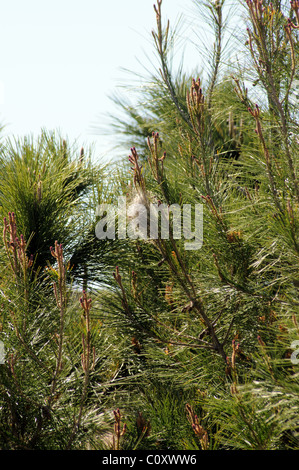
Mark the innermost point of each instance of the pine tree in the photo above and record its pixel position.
(53, 351)
(215, 326)
(165, 348)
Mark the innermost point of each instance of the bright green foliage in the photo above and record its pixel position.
(43, 184)
(219, 322)
(191, 349)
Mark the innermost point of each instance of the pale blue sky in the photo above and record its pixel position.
(61, 59)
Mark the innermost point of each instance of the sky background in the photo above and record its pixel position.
(62, 59)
